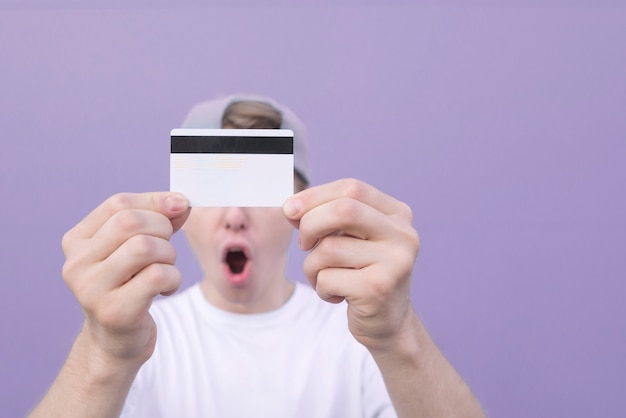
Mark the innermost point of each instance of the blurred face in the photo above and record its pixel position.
(243, 252)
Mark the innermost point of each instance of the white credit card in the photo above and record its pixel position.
(232, 167)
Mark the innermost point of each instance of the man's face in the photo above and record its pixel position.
(243, 253)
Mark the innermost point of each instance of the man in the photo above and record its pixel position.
(247, 341)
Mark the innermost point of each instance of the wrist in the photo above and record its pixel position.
(91, 383)
(101, 366)
(407, 343)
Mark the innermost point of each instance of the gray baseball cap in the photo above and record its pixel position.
(208, 115)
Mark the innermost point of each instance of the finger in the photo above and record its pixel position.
(137, 253)
(373, 268)
(125, 264)
(156, 279)
(300, 203)
(124, 225)
(349, 216)
(124, 307)
(366, 291)
(337, 284)
(170, 204)
(179, 220)
(339, 251)
(376, 307)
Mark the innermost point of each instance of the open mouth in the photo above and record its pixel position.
(236, 260)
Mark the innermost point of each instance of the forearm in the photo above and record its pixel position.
(420, 381)
(89, 384)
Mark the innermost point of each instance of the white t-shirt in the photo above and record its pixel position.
(297, 361)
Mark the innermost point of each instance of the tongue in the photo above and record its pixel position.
(236, 261)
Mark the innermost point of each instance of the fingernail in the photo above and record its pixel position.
(292, 207)
(176, 202)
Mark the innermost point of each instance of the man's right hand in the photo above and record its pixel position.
(118, 259)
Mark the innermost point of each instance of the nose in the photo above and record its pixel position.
(236, 219)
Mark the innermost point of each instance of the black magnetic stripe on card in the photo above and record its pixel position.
(232, 145)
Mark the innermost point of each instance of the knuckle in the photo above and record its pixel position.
(129, 221)
(119, 202)
(403, 254)
(68, 278)
(406, 212)
(329, 247)
(347, 210)
(162, 277)
(354, 189)
(155, 276)
(406, 240)
(405, 262)
(413, 239)
(68, 269)
(141, 246)
(324, 279)
(325, 287)
(66, 242)
(310, 268)
(72, 271)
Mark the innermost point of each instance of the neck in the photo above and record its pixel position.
(248, 301)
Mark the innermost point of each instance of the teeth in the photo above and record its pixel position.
(235, 249)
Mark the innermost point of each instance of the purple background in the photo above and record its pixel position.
(503, 127)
